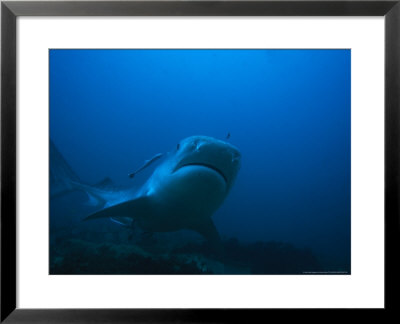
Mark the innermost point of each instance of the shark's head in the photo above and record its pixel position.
(195, 178)
(203, 152)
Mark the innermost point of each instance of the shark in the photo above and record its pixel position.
(182, 193)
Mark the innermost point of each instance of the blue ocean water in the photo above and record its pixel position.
(287, 111)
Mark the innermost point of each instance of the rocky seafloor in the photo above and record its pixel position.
(83, 254)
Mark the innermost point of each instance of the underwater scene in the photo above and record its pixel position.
(199, 161)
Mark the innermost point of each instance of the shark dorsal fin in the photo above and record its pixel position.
(105, 183)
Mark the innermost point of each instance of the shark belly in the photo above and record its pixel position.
(184, 201)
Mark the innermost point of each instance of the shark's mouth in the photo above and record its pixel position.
(209, 166)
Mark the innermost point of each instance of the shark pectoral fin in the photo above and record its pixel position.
(132, 209)
(206, 228)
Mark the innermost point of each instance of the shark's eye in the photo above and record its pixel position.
(178, 146)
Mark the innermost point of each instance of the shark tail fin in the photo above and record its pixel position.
(63, 179)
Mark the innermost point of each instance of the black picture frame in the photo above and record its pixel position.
(10, 10)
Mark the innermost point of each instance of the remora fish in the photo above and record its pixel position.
(182, 193)
(145, 165)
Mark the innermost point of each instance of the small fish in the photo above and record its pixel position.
(146, 164)
(228, 136)
(120, 222)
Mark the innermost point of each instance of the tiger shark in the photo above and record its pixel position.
(183, 192)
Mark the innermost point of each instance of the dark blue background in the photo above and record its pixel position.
(288, 111)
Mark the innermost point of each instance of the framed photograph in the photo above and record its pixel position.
(193, 160)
